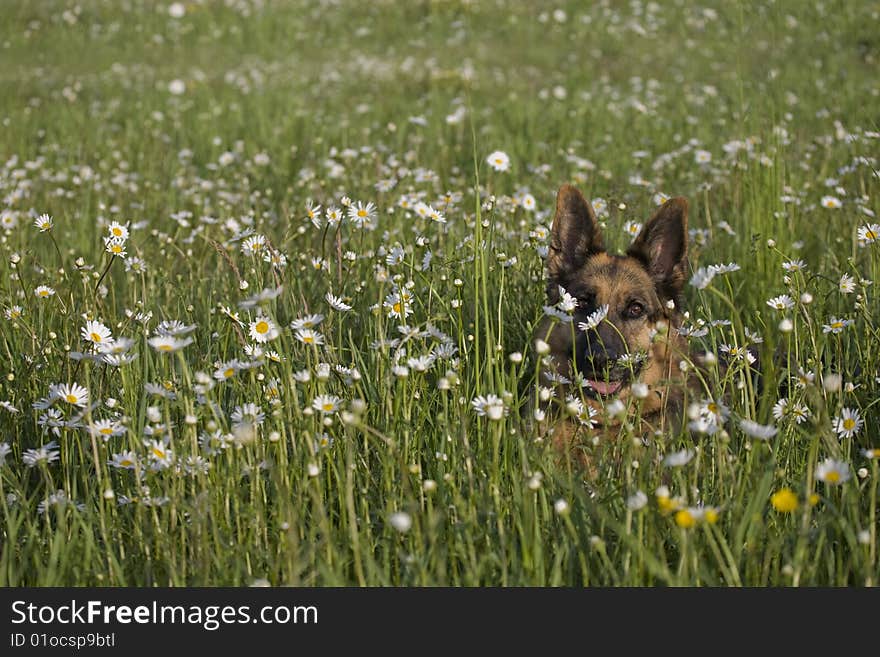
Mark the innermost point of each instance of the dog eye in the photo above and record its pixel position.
(635, 310)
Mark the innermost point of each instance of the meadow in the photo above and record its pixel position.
(270, 272)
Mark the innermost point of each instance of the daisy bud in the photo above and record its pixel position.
(639, 390)
(313, 469)
(429, 485)
(786, 325)
(242, 285)
(832, 382)
(401, 521)
(516, 357)
(806, 298)
(864, 537)
(561, 507)
(109, 494)
(542, 347)
(616, 408)
(771, 243)
(637, 501)
(863, 473)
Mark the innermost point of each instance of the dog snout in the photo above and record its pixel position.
(600, 354)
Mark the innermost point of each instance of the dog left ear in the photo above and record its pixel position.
(662, 247)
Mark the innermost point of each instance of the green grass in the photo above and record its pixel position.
(618, 98)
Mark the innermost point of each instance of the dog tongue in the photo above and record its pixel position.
(605, 388)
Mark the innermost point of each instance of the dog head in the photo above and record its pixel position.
(620, 298)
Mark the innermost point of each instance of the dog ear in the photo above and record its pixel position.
(574, 237)
(662, 247)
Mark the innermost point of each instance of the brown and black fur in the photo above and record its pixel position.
(642, 290)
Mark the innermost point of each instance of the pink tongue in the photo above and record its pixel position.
(605, 388)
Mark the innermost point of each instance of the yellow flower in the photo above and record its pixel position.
(667, 504)
(784, 500)
(685, 519)
(813, 499)
(710, 515)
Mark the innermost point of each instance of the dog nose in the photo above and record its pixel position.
(600, 355)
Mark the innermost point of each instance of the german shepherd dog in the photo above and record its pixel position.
(617, 327)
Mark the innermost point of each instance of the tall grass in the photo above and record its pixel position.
(756, 113)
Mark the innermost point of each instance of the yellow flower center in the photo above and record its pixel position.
(849, 423)
(117, 231)
(832, 477)
(309, 339)
(125, 463)
(158, 453)
(784, 500)
(362, 213)
(228, 372)
(165, 347)
(71, 399)
(837, 325)
(870, 235)
(327, 406)
(396, 307)
(262, 327)
(95, 337)
(43, 293)
(685, 519)
(105, 431)
(116, 248)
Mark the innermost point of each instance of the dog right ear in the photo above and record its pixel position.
(574, 237)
